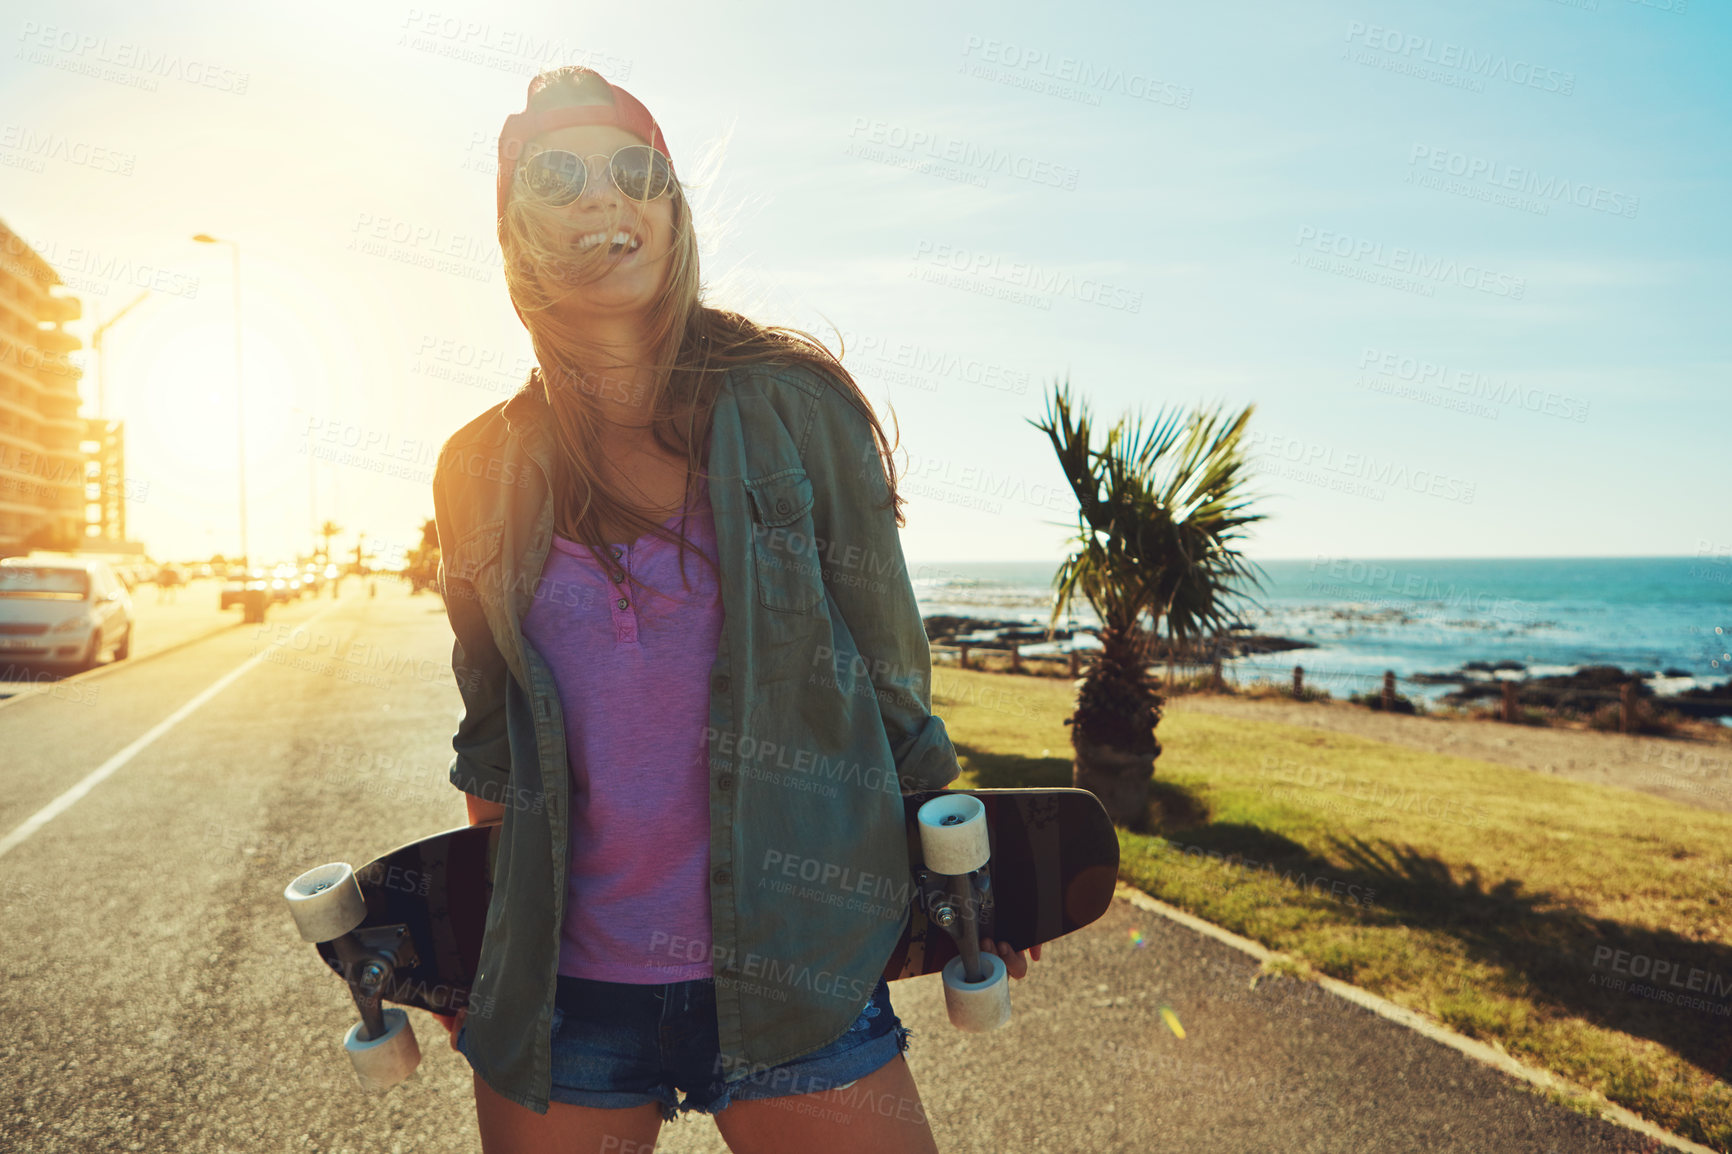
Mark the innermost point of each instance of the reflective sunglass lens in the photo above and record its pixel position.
(641, 172)
(556, 177)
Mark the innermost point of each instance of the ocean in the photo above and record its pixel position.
(1554, 615)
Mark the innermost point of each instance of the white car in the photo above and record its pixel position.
(62, 612)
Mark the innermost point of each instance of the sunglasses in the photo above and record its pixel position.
(558, 177)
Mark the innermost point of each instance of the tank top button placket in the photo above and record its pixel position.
(624, 617)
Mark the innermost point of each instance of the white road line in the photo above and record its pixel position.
(96, 776)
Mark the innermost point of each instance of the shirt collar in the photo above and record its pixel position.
(526, 418)
(524, 410)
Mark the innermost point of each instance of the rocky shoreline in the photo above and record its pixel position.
(1584, 691)
(989, 634)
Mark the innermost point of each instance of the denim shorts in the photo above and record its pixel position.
(617, 1045)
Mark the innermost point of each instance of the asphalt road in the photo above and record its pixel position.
(157, 997)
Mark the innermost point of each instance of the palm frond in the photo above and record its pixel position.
(1161, 506)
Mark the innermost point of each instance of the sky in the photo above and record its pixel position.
(1468, 262)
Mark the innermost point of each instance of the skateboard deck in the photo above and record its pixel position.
(1054, 861)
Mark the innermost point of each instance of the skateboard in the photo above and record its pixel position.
(1023, 866)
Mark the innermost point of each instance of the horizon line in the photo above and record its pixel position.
(1711, 559)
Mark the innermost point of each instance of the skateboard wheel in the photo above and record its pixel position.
(388, 1059)
(326, 902)
(977, 1007)
(953, 837)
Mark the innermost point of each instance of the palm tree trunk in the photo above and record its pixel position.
(1113, 730)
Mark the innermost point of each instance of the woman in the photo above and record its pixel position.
(694, 680)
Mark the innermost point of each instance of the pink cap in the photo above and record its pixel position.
(625, 112)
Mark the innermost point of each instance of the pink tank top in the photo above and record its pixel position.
(634, 687)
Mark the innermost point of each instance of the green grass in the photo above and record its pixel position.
(1474, 893)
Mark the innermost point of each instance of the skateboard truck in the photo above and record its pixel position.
(956, 893)
(327, 906)
(961, 906)
(368, 958)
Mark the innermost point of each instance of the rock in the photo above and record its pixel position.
(1702, 701)
(946, 628)
(1583, 692)
(1261, 644)
(944, 625)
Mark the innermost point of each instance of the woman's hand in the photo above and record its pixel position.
(454, 1022)
(1015, 961)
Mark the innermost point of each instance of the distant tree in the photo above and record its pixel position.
(423, 570)
(1159, 510)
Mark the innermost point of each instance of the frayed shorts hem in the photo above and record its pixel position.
(625, 1050)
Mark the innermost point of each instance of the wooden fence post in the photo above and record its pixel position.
(1389, 691)
(1511, 710)
(1073, 663)
(1298, 681)
(963, 645)
(1016, 657)
(1627, 707)
(1215, 675)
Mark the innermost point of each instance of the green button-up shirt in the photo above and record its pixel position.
(820, 721)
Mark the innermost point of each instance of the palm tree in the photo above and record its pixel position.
(328, 530)
(1158, 512)
(423, 570)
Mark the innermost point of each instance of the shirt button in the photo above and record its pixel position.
(619, 576)
(721, 877)
(721, 683)
(617, 550)
(622, 603)
(725, 782)
(782, 506)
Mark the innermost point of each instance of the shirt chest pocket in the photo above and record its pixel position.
(784, 553)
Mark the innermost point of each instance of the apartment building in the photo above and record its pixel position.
(42, 459)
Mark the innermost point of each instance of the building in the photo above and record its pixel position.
(42, 456)
(105, 486)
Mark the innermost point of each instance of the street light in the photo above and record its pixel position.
(111, 478)
(312, 478)
(240, 413)
(96, 335)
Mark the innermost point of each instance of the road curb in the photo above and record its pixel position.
(112, 666)
(130, 662)
(1487, 1055)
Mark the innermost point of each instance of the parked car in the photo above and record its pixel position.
(296, 580)
(283, 584)
(64, 613)
(236, 584)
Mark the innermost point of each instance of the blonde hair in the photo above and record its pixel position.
(692, 345)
